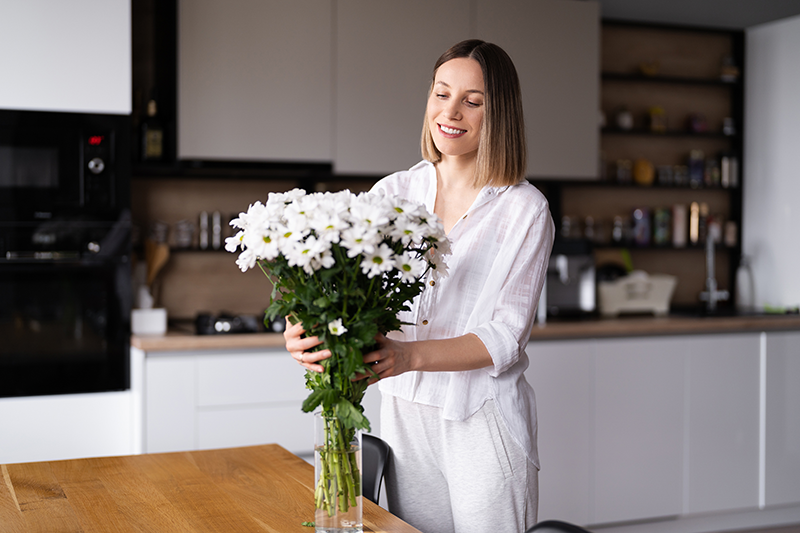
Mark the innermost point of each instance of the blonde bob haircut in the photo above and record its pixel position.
(502, 151)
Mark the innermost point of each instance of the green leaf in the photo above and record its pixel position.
(351, 416)
(308, 524)
(313, 401)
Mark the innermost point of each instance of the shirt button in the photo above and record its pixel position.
(424, 322)
(433, 283)
(465, 216)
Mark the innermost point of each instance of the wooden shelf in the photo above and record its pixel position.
(667, 134)
(678, 80)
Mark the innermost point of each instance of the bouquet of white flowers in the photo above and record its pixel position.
(344, 265)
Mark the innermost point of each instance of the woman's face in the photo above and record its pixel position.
(455, 107)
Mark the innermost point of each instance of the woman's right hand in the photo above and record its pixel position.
(298, 347)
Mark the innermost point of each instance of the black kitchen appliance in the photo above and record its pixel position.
(65, 224)
(571, 284)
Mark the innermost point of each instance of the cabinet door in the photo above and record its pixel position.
(254, 80)
(722, 419)
(169, 392)
(269, 376)
(561, 374)
(555, 46)
(245, 399)
(783, 419)
(385, 52)
(639, 404)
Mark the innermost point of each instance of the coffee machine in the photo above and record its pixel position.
(571, 281)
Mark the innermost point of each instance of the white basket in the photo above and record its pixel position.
(637, 292)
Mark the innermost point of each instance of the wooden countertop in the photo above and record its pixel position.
(639, 326)
(182, 341)
(553, 330)
(259, 488)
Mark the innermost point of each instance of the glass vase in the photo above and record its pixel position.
(337, 476)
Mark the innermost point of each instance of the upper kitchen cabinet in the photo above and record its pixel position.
(385, 57)
(254, 80)
(66, 56)
(555, 45)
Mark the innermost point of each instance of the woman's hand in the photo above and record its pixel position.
(391, 358)
(298, 346)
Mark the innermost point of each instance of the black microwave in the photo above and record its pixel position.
(57, 165)
(65, 224)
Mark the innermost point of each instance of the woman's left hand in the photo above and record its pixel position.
(391, 358)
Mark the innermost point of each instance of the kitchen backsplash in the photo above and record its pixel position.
(193, 280)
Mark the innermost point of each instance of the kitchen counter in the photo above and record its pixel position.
(258, 488)
(554, 330)
(182, 341)
(639, 326)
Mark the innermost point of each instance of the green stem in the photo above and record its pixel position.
(339, 483)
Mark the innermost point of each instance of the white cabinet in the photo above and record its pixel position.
(202, 400)
(555, 45)
(637, 459)
(641, 428)
(66, 56)
(721, 423)
(384, 61)
(219, 399)
(254, 80)
(782, 476)
(562, 376)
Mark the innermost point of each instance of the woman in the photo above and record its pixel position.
(456, 409)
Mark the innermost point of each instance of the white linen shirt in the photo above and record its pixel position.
(500, 250)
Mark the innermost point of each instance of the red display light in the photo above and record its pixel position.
(96, 140)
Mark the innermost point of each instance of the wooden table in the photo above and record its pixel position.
(252, 489)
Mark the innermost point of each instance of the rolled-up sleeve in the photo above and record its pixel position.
(521, 268)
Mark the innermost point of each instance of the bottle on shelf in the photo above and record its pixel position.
(745, 287)
(152, 134)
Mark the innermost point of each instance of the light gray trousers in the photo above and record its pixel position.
(456, 477)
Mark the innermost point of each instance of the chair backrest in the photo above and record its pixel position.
(555, 526)
(374, 455)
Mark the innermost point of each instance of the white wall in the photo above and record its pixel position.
(58, 55)
(772, 161)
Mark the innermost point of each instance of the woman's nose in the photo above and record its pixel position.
(452, 111)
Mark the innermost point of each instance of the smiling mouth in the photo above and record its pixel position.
(451, 131)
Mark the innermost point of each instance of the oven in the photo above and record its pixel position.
(65, 224)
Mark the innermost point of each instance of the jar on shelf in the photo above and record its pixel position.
(696, 168)
(662, 226)
(641, 226)
(643, 172)
(657, 119)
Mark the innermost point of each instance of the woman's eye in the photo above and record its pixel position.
(441, 95)
(473, 104)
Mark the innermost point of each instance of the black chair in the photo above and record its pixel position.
(556, 526)
(374, 454)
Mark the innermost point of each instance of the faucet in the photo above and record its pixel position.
(711, 295)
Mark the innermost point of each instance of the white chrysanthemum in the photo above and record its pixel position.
(381, 260)
(438, 264)
(310, 254)
(255, 215)
(410, 266)
(232, 243)
(263, 242)
(407, 230)
(246, 260)
(328, 225)
(360, 240)
(283, 198)
(336, 327)
(368, 213)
